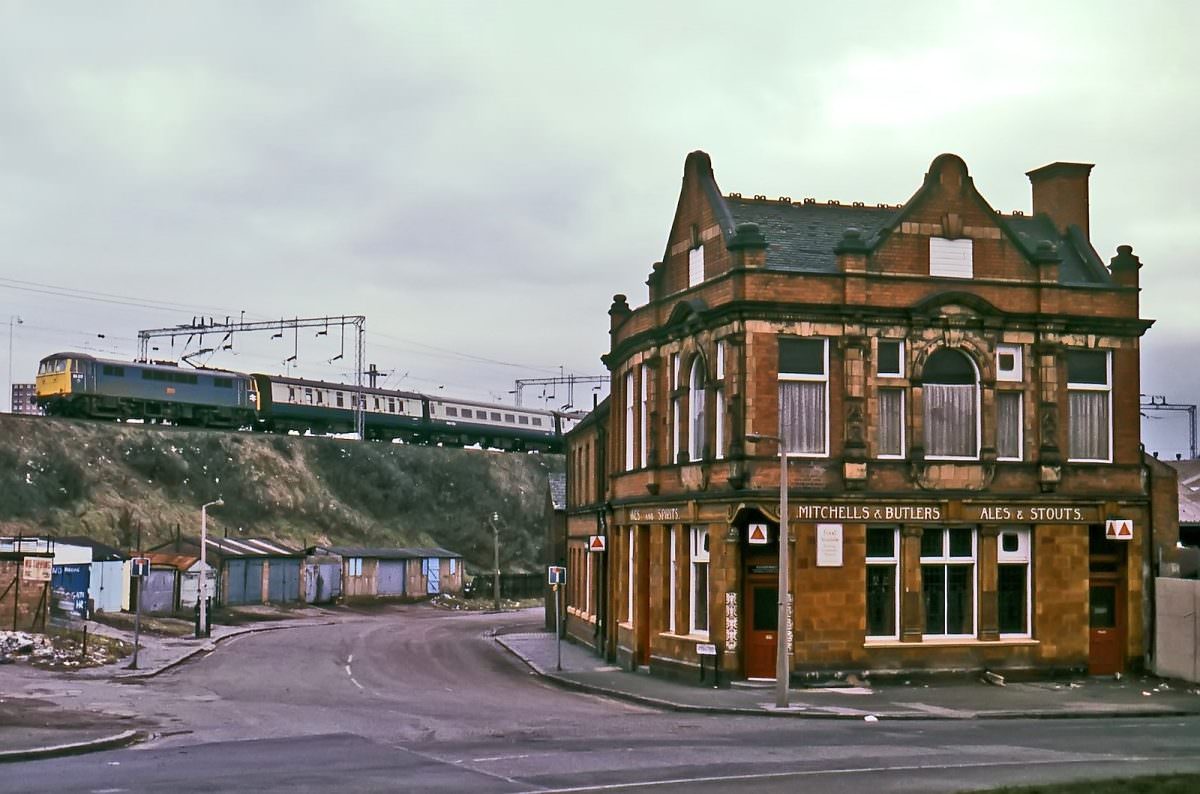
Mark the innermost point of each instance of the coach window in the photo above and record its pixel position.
(537, 421)
(308, 396)
(339, 399)
(509, 418)
(804, 396)
(522, 420)
(951, 394)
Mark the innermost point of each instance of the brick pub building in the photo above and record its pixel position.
(957, 394)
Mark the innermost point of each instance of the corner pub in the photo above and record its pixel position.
(956, 392)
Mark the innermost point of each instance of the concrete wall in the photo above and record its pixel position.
(1177, 651)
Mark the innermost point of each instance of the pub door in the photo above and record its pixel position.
(762, 628)
(1106, 604)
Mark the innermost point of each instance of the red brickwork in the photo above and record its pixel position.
(881, 289)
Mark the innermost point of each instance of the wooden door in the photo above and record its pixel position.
(1106, 618)
(762, 629)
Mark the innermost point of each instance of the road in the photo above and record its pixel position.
(416, 699)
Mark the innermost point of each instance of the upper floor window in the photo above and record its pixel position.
(696, 405)
(644, 447)
(1009, 424)
(951, 393)
(719, 399)
(1008, 363)
(951, 258)
(1089, 405)
(804, 395)
(629, 421)
(695, 265)
(674, 375)
(889, 358)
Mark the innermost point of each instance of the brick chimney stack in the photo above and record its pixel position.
(1060, 190)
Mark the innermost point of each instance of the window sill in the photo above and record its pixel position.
(698, 638)
(1088, 460)
(954, 458)
(951, 642)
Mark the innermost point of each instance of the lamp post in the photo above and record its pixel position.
(204, 563)
(13, 319)
(493, 518)
(782, 670)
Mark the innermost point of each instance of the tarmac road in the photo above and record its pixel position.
(422, 700)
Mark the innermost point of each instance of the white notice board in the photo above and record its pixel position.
(829, 545)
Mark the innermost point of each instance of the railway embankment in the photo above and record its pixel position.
(113, 482)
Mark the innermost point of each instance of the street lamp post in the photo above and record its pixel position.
(496, 567)
(204, 564)
(782, 671)
(12, 320)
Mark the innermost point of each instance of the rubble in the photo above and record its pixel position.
(64, 651)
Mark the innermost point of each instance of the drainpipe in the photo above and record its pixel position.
(1149, 565)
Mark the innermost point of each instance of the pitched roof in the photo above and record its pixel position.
(251, 547)
(101, 552)
(802, 236)
(387, 554)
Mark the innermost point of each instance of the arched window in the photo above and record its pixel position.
(951, 394)
(696, 406)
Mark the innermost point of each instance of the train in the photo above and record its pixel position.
(85, 386)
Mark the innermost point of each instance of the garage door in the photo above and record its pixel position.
(284, 580)
(158, 591)
(390, 579)
(245, 582)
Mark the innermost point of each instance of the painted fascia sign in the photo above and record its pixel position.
(1118, 529)
(596, 543)
(756, 535)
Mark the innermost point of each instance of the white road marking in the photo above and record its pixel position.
(360, 686)
(499, 758)
(349, 658)
(842, 771)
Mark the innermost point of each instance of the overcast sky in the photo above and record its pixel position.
(480, 178)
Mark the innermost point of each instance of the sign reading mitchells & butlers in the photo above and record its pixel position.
(970, 513)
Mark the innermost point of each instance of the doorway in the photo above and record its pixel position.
(762, 629)
(1106, 604)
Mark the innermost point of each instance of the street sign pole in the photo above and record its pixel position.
(557, 628)
(137, 624)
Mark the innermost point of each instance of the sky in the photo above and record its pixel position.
(480, 178)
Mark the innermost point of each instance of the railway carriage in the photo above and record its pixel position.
(323, 407)
(79, 384)
(462, 422)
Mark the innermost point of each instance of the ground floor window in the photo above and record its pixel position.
(1013, 581)
(699, 581)
(948, 581)
(883, 561)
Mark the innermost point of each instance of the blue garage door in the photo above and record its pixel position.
(389, 579)
(284, 584)
(245, 582)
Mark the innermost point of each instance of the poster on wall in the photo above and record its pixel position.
(829, 545)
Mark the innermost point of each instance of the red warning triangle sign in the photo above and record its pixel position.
(1125, 529)
(757, 533)
(596, 543)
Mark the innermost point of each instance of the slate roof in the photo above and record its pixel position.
(802, 236)
(558, 490)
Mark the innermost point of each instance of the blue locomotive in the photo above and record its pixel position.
(81, 385)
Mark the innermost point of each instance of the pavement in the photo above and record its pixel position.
(32, 728)
(936, 698)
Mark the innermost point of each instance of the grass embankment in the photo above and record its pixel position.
(1154, 784)
(115, 482)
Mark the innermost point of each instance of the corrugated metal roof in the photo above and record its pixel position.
(387, 554)
(252, 547)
